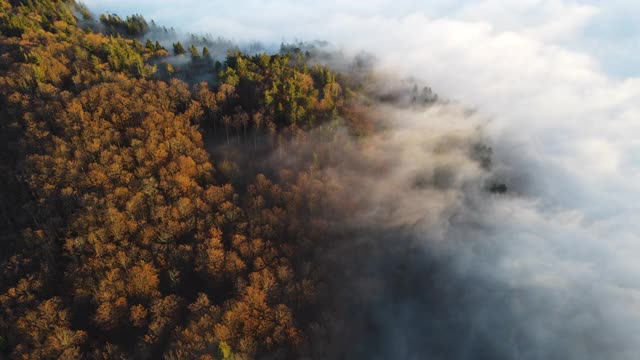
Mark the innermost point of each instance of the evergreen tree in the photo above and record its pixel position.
(195, 55)
(178, 49)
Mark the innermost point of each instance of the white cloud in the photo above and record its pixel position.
(558, 119)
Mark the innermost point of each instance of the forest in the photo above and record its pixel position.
(158, 201)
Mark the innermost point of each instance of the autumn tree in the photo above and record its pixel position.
(143, 215)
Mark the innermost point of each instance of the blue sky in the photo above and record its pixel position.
(614, 37)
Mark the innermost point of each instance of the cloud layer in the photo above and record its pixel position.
(558, 260)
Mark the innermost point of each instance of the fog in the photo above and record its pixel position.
(548, 270)
(439, 267)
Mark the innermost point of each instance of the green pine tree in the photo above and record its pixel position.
(178, 49)
(195, 54)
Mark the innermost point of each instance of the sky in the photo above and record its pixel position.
(559, 84)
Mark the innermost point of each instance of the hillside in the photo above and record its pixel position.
(157, 201)
(122, 235)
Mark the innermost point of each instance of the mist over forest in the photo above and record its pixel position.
(178, 195)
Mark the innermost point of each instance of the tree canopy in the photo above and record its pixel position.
(148, 208)
(122, 234)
